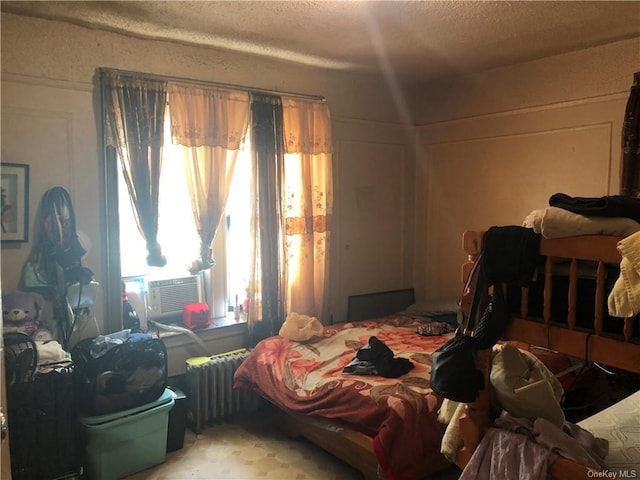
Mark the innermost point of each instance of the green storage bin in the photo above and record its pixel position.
(123, 443)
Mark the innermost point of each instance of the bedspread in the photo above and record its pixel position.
(400, 414)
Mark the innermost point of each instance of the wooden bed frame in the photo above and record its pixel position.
(350, 446)
(353, 447)
(591, 343)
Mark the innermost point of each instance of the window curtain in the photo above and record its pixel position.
(630, 184)
(134, 115)
(308, 204)
(210, 124)
(266, 283)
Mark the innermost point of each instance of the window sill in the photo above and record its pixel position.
(219, 327)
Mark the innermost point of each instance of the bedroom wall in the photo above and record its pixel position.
(49, 121)
(494, 146)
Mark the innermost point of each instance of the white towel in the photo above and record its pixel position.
(624, 299)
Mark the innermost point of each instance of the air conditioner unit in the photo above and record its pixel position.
(168, 297)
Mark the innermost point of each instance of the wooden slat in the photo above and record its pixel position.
(524, 302)
(565, 469)
(573, 293)
(595, 248)
(546, 312)
(472, 242)
(474, 422)
(600, 298)
(609, 351)
(528, 331)
(628, 328)
(615, 353)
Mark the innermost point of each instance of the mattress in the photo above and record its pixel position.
(620, 425)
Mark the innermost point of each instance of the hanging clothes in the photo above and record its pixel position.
(55, 261)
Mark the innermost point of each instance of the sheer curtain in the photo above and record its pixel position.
(266, 283)
(210, 123)
(631, 142)
(134, 115)
(292, 207)
(308, 204)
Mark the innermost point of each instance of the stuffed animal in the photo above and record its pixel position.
(21, 313)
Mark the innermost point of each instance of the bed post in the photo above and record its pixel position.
(474, 422)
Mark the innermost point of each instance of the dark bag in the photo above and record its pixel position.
(119, 376)
(454, 374)
(453, 366)
(453, 370)
(494, 321)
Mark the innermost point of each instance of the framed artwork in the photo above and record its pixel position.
(14, 195)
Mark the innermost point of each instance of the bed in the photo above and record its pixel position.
(381, 425)
(569, 267)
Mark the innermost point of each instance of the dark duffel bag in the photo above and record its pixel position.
(117, 375)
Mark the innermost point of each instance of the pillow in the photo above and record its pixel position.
(433, 308)
(524, 386)
(300, 328)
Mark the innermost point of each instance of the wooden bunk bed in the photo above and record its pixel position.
(591, 339)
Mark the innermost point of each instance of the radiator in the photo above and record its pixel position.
(210, 393)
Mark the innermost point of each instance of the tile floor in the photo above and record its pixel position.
(250, 449)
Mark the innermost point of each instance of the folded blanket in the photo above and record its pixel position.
(624, 299)
(554, 222)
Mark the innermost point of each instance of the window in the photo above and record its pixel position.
(290, 242)
(177, 231)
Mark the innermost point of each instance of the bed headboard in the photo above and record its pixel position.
(378, 304)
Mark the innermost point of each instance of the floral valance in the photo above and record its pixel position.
(306, 126)
(208, 116)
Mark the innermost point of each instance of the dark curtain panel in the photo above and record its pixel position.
(134, 121)
(266, 128)
(630, 184)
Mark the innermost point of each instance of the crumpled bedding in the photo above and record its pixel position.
(525, 449)
(521, 384)
(508, 455)
(398, 413)
(570, 440)
(555, 222)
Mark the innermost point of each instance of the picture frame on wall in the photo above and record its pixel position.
(14, 195)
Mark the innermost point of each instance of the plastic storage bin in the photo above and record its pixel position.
(122, 443)
(177, 420)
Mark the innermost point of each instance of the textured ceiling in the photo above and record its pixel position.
(411, 39)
